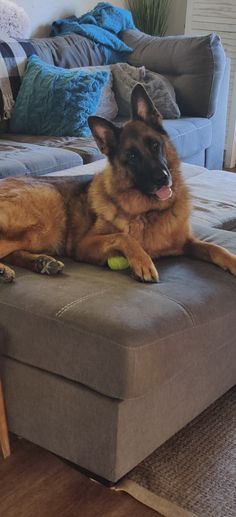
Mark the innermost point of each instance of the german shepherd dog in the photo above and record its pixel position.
(138, 206)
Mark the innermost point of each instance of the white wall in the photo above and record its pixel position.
(43, 12)
(176, 21)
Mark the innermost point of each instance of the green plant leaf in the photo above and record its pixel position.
(150, 16)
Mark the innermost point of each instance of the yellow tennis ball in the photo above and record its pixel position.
(118, 263)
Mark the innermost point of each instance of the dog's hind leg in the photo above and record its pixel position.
(39, 263)
(210, 253)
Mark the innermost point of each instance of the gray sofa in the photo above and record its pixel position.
(196, 67)
(100, 369)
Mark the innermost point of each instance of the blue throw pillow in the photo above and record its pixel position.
(56, 101)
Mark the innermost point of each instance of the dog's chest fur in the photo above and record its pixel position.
(158, 232)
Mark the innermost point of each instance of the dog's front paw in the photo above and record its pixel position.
(144, 270)
(47, 265)
(7, 274)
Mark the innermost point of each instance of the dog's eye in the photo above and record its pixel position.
(131, 156)
(155, 146)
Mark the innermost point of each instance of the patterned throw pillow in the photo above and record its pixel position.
(124, 78)
(13, 57)
(56, 101)
(157, 86)
(107, 107)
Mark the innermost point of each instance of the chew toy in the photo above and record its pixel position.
(117, 263)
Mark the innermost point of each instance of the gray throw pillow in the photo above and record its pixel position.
(157, 86)
(124, 79)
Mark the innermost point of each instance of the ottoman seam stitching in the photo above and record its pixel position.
(188, 311)
(109, 340)
(68, 306)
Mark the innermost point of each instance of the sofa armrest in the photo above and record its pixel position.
(215, 153)
(194, 64)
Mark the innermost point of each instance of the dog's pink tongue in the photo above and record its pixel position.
(164, 193)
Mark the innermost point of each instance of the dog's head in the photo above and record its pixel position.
(141, 149)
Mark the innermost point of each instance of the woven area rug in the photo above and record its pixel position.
(194, 473)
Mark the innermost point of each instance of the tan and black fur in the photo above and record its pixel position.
(117, 212)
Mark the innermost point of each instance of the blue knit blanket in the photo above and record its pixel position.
(102, 25)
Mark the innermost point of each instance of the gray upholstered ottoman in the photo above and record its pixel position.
(101, 369)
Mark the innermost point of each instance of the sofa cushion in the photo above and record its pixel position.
(189, 135)
(65, 51)
(56, 101)
(124, 78)
(188, 62)
(157, 86)
(213, 194)
(107, 106)
(18, 159)
(85, 147)
(117, 336)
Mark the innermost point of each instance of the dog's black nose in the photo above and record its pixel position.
(163, 178)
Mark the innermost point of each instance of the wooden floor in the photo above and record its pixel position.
(35, 483)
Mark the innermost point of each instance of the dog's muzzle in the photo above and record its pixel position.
(162, 189)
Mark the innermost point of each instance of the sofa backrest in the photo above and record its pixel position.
(194, 64)
(66, 51)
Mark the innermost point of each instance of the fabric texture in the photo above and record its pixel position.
(85, 147)
(189, 135)
(68, 51)
(107, 106)
(194, 65)
(101, 25)
(13, 56)
(111, 18)
(158, 88)
(102, 434)
(151, 333)
(26, 158)
(14, 21)
(65, 51)
(213, 195)
(124, 79)
(162, 94)
(55, 101)
(215, 153)
(195, 469)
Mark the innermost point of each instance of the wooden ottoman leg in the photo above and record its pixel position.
(4, 438)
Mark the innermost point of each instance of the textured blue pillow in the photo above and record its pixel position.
(56, 101)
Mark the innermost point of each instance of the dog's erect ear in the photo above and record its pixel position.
(105, 133)
(143, 107)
